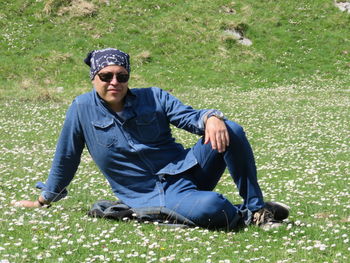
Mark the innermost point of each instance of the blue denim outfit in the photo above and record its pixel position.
(146, 167)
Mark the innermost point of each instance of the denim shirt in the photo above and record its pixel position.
(133, 151)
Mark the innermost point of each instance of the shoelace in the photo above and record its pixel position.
(262, 216)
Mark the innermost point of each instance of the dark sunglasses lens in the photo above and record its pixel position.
(106, 77)
(122, 78)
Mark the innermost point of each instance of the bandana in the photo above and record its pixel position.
(98, 59)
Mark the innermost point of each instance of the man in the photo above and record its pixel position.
(128, 135)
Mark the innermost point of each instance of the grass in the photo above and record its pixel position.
(185, 42)
(304, 167)
(289, 90)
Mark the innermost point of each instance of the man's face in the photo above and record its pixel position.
(112, 91)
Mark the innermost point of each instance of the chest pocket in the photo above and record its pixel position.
(105, 132)
(148, 127)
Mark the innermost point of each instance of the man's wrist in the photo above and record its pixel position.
(215, 113)
(42, 202)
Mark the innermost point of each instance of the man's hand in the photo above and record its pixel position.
(26, 203)
(30, 204)
(216, 133)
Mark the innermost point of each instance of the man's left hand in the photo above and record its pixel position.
(216, 133)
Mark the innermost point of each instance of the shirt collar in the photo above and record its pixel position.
(130, 100)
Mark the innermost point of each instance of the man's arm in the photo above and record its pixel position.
(65, 163)
(201, 122)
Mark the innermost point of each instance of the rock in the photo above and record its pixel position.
(239, 37)
(343, 6)
(235, 34)
(78, 8)
(245, 42)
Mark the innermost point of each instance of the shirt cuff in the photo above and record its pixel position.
(202, 120)
(50, 196)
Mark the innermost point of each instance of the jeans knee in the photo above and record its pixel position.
(214, 211)
(212, 203)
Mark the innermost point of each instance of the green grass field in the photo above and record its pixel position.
(289, 90)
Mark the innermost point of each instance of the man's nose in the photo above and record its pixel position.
(114, 79)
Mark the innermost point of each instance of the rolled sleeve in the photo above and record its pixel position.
(50, 196)
(202, 120)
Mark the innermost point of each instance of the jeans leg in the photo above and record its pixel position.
(239, 160)
(210, 168)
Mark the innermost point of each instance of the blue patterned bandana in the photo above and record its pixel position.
(98, 59)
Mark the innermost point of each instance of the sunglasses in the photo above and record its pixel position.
(108, 77)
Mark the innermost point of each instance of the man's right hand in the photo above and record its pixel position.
(26, 203)
(40, 202)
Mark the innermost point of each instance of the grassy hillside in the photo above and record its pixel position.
(173, 44)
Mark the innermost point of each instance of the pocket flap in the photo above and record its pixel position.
(102, 123)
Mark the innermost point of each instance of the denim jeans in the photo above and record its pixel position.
(190, 193)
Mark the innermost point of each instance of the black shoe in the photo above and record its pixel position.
(271, 215)
(280, 211)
